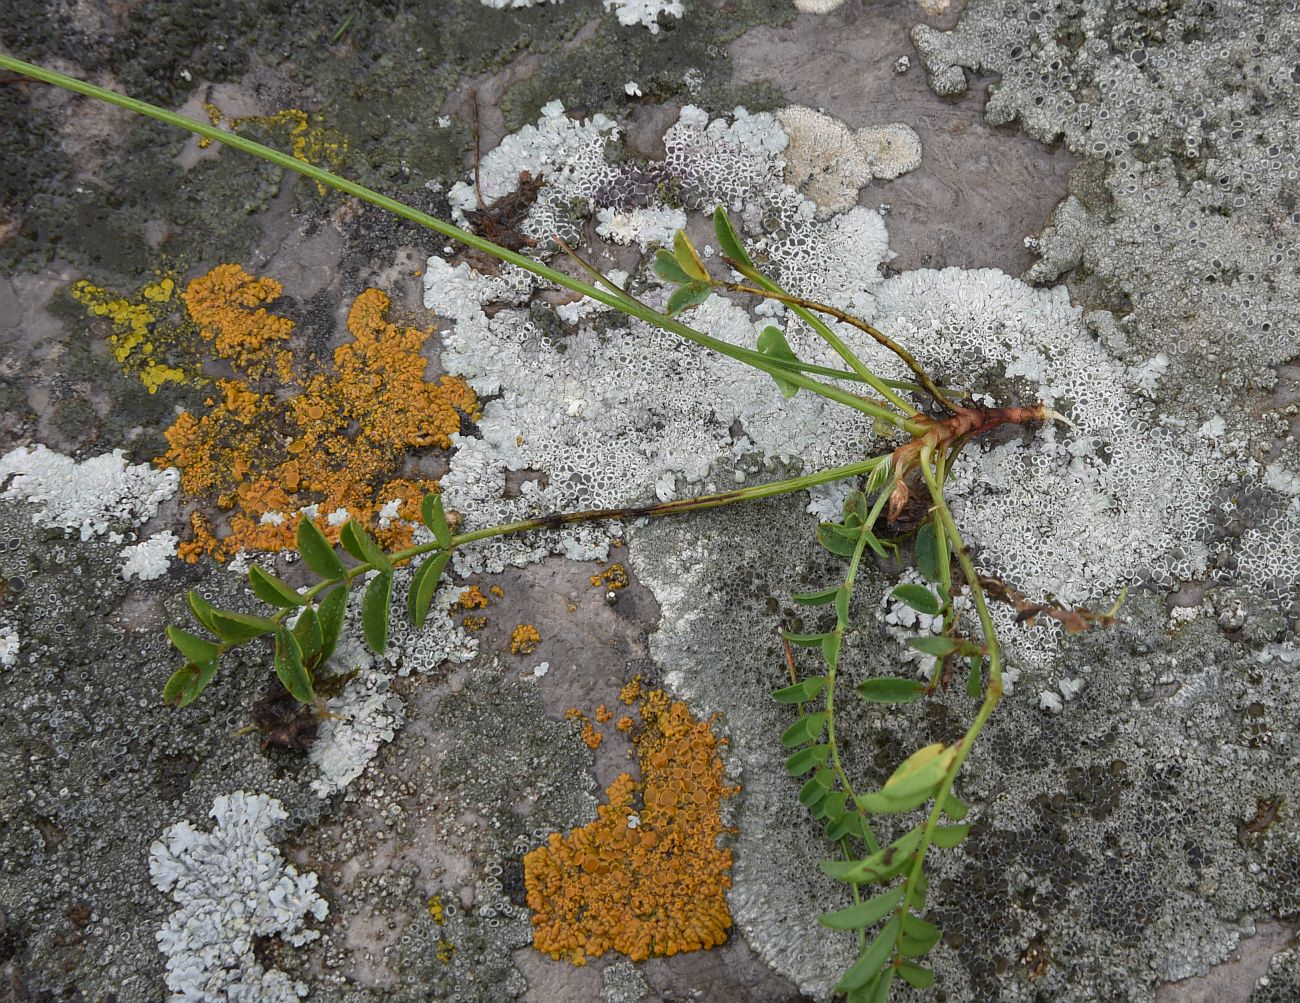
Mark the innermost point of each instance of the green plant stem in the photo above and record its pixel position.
(831, 670)
(758, 360)
(992, 694)
(770, 290)
(803, 309)
(787, 486)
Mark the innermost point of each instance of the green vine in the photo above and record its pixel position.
(922, 786)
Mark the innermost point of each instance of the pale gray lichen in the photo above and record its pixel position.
(644, 12)
(1185, 221)
(87, 497)
(9, 645)
(231, 886)
(362, 717)
(149, 559)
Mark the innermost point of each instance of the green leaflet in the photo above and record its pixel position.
(330, 614)
(872, 960)
(236, 628)
(890, 689)
(187, 682)
(307, 631)
(196, 649)
(288, 666)
(772, 342)
(882, 865)
(688, 259)
(947, 836)
(918, 597)
(820, 598)
(687, 296)
(804, 690)
(316, 551)
(361, 545)
(727, 240)
(272, 591)
(436, 519)
(927, 552)
(806, 729)
(374, 611)
(805, 759)
(667, 268)
(863, 914)
(423, 586)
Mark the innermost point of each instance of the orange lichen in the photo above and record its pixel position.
(631, 691)
(524, 640)
(624, 723)
(603, 714)
(472, 598)
(613, 578)
(474, 623)
(497, 590)
(647, 877)
(274, 442)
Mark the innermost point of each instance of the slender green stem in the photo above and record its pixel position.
(555, 521)
(992, 694)
(770, 290)
(831, 671)
(283, 160)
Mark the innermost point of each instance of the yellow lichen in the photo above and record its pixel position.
(436, 909)
(273, 441)
(613, 578)
(497, 590)
(475, 623)
(310, 140)
(647, 877)
(444, 951)
(524, 639)
(146, 336)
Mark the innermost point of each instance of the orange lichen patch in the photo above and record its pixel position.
(227, 305)
(624, 723)
(474, 623)
(497, 590)
(147, 336)
(273, 443)
(613, 578)
(473, 598)
(647, 877)
(631, 691)
(603, 714)
(524, 640)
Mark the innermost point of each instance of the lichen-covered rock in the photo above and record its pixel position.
(231, 886)
(88, 497)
